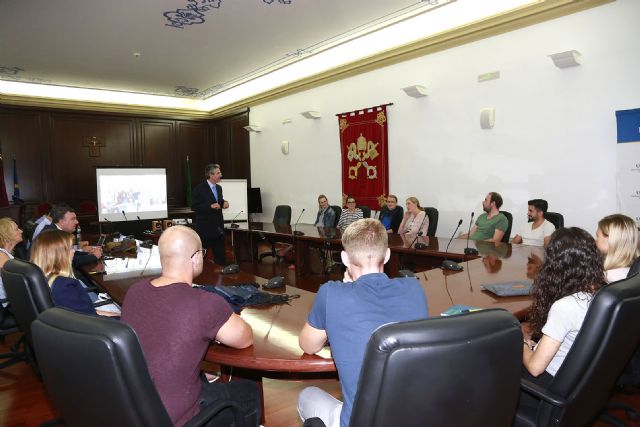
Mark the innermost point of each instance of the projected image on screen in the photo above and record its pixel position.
(129, 193)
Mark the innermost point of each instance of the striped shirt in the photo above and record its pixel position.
(347, 217)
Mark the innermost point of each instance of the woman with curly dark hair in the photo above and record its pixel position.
(572, 272)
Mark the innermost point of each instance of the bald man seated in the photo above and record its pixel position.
(175, 324)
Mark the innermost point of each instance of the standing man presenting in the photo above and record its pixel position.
(208, 204)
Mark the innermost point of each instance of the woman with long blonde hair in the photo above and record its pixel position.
(53, 252)
(617, 240)
(10, 236)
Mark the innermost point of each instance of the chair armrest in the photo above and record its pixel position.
(542, 393)
(207, 413)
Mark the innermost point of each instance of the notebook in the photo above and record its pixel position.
(509, 289)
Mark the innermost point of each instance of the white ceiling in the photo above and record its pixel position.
(91, 43)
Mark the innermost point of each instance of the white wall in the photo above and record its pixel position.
(554, 134)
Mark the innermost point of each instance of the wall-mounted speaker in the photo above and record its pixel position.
(415, 91)
(487, 118)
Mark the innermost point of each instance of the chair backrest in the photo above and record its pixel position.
(95, 372)
(29, 227)
(458, 370)
(366, 211)
(635, 268)
(507, 234)
(433, 215)
(609, 335)
(282, 215)
(28, 292)
(338, 211)
(555, 218)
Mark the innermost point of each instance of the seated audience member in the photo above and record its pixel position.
(326, 216)
(415, 219)
(617, 240)
(350, 214)
(492, 224)
(562, 290)
(538, 231)
(41, 223)
(52, 251)
(63, 217)
(346, 313)
(391, 214)
(10, 236)
(176, 323)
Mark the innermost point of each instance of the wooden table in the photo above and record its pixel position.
(275, 328)
(246, 238)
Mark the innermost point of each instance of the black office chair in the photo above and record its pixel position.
(366, 211)
(555, 218)
(9, 326)
(338, 211)
(580, 389)
(507, 233)
(444, 371)
(433, 214)
(30, 295)
(281, 216)
(95, 373)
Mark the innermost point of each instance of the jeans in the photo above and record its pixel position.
(243, 392)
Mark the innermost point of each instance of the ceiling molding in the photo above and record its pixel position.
(499, 24)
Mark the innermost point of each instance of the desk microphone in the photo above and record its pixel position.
(448, 264)
(296, 232)
(420, 245)
(468, 250)
(124, 215)
(146, 263)
(233, 221)
(138, 216)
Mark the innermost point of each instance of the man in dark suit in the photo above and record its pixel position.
(63, 217)
(207, 203)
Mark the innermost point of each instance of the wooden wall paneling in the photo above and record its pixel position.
(239, 147)
(74, 158)
(221, 146)
(194, 140)
(160, 149)
(21, 138)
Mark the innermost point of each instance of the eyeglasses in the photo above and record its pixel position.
(204, 253)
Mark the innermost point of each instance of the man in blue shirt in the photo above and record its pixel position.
(346, 313)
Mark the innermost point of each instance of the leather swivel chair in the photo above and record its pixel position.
(9, 326)
(433, 215)
(555, 218)
(581, 388)
(338, 212)
(95, 373)
(281, 216)
(507, 233)
(444, 371)
(30, 295)
(366, 211)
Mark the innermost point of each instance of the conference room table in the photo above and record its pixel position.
(276, 327)
(275, 351)
(308, 241)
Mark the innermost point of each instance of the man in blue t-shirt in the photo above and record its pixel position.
(346, 313)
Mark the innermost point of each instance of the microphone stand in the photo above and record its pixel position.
(468, 250)
(448, 264)
(296, 232)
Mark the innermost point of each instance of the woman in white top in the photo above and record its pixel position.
(415, 219)
(562, 290)
(10, 236)
(617, 240)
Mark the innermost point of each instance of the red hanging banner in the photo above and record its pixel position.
(365, 160)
